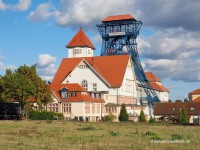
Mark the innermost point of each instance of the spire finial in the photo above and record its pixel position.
(80, 28)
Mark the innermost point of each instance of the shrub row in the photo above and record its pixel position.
(45, 115)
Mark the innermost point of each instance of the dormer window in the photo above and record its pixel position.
(192, 109)
(92, 95)
(97, 96)
(64, 93)
(74, 94)
(70, 94)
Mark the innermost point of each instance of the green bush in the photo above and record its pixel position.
(152, 120)
(123, 114)
(183, 116)
(142, 117)
(109, 117)
(45, 115)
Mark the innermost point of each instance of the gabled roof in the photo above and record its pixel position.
(110, 68)
(158, 87)
(80, 40)
(196, 99)
(173, 108)
(197, 91)
(118, 17)
(81, 94)
(152, 77)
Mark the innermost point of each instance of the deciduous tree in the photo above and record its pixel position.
(22, 85)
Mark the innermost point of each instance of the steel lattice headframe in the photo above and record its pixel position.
(119, 35)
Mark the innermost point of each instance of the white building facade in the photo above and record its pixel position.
(109, 78)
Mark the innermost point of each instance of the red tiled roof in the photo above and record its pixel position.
(110, 68)
(80, 40)
(158, 87)
(151, 77)
(70, 87)
(166, 108)
(80, 97)
(197, 91)
(118, 17)
(196, 99)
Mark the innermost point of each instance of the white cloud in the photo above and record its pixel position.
(172, 53)
(46, 68)
(165, 14)
(96, 39)
(2, 66)
(88, 12)
(2, 57)
(43, 12)
(2, 5)
(12, 67)
(174, 43)
(47, 78)
(175, 69)
(45, 60)
(22, 5)
(85, 13)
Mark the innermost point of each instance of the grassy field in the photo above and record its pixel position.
(63, 135)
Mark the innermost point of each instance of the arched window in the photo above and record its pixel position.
(84, 84)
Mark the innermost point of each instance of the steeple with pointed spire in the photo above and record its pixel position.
(80, 45)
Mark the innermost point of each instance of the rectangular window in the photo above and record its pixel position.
(93, 108)
(67, 108)
(64, 94)
(113, 110)
(92, 95)
(53, 107)
(192, 109)
(70, 94)
(97, 96)
(98, 108)
(76, 51)
(74, 94)
(94, 87)
(89, 51)
(87, 108)
(83, 66)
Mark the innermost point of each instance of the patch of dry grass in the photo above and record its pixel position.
(64, 135)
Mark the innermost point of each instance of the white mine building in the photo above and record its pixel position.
(88, 87)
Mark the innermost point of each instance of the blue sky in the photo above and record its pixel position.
(36, 32)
